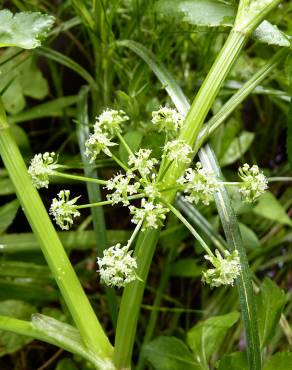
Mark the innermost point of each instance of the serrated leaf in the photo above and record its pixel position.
(270, 303)
(206, 337)
(271, 35)
(234, 361)
(269, 207)
(208, 13)
(280, 361)
(25, 29)
(169, 353)
(237, 148)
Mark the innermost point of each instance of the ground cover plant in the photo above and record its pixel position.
(145, 185)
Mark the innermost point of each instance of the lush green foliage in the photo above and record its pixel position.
(135, 56)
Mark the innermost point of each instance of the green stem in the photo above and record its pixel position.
(120, 163)
(126, 146)
(108, 202)
(191, 229)
(205, 98)
(71, 289)
(131, 300)
(79, 178)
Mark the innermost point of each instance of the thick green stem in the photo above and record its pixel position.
(71, 289)
(204, 100)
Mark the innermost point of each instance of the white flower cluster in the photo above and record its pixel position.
(40, 169)
(178, 151)
(141, 161)
(254, 182)
(107, 125)
(167, 120)
(123, 186)
(226, 269)
(117, 267)
(200, 185)
(64, 210)
(153, 215)
(96, 143)
(110, 121)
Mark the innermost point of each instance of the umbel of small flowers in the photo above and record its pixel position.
(199, 184)
(226, 268)
(117, 266)
(167, 120)
(254, 182)
(64, 210)
(107, 126)
(41, 167)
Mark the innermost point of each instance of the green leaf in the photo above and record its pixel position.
(25, 30)
(237, 148)
(270, 303)
(54, 108)
(269, 207)
(10, 342)
(234, 361)
(289, 131)
(13, 98)
(210, 13)
(271, 35)
(7, 214)
(280, 361)
(6, 186)
(133, 139)
(29, 72)
(66, 364)
(186, 267)
(169, 353)
(249, 238)
(206, 337)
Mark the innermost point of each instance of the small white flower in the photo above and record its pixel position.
(151, 191)
(96, 143)
(226, 269)
(142, 162)
(117, 267)
(110, 121)
(254, 182)
(199, 184)
(41, 167)
(178, 151)
(167, 120)
(121, 184)
(152, 214)
(64, 210)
